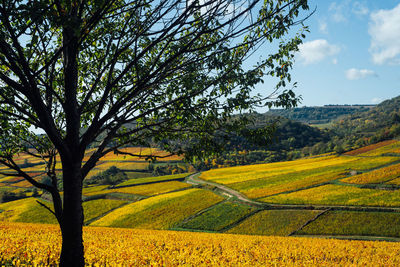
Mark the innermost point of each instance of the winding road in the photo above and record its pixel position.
(231, 193)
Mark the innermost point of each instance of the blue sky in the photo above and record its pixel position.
(351, 54)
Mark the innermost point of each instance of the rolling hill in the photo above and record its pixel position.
(319, 115)
(309, 196)
(355, 195)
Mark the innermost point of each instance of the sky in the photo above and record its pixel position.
(351, 54)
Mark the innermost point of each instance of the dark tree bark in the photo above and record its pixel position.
(72, 253)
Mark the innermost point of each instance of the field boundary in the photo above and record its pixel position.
(309, 221)
(104, 214)
(232, 225)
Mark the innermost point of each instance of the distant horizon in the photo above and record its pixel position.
(331, 104)
(347, 104)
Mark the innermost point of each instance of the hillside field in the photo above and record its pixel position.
(309, 196)
(350, 196)
(38, 245)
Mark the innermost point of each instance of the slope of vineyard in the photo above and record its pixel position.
(262, 180)
(283, 198)
(160, 212)
(39, 245)
(355, 223)
(339, 195)
(218, 217)
(274, 222)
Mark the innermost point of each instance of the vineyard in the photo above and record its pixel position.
(33, 245)
(353, 196)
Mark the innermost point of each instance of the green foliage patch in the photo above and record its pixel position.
(355, 223)
(274, 222)
(95, 208)
(218, 217)
(26, 210)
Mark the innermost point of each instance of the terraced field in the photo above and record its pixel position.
(332, 194)
(356, 194)
(160, 212)
(218, 217)
(353, 223)
(274, 222)
(28, 210)
(147, 180)
(270, 179)
(361, 185)
(150, 189)
(135, 165)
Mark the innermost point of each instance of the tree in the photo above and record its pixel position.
(110, 73)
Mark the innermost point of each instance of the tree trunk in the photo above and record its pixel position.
(72, 253)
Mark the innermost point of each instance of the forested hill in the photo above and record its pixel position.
(288, 135)
(363, 128)
(366, 125)
(319, 115)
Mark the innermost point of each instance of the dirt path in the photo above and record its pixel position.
(231, 193)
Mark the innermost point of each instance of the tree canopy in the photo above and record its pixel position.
(111, 73)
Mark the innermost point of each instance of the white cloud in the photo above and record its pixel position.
(341, 11)
(338, 11)
(323, 27)
(360, 9)
(357, 74)
(334, 61)
(376, 100)
(316, 51)
(384, 29)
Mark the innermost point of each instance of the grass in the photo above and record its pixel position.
(274, 222)
(160, 212)
(218, 217)
(339, 195)
(355, 223)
